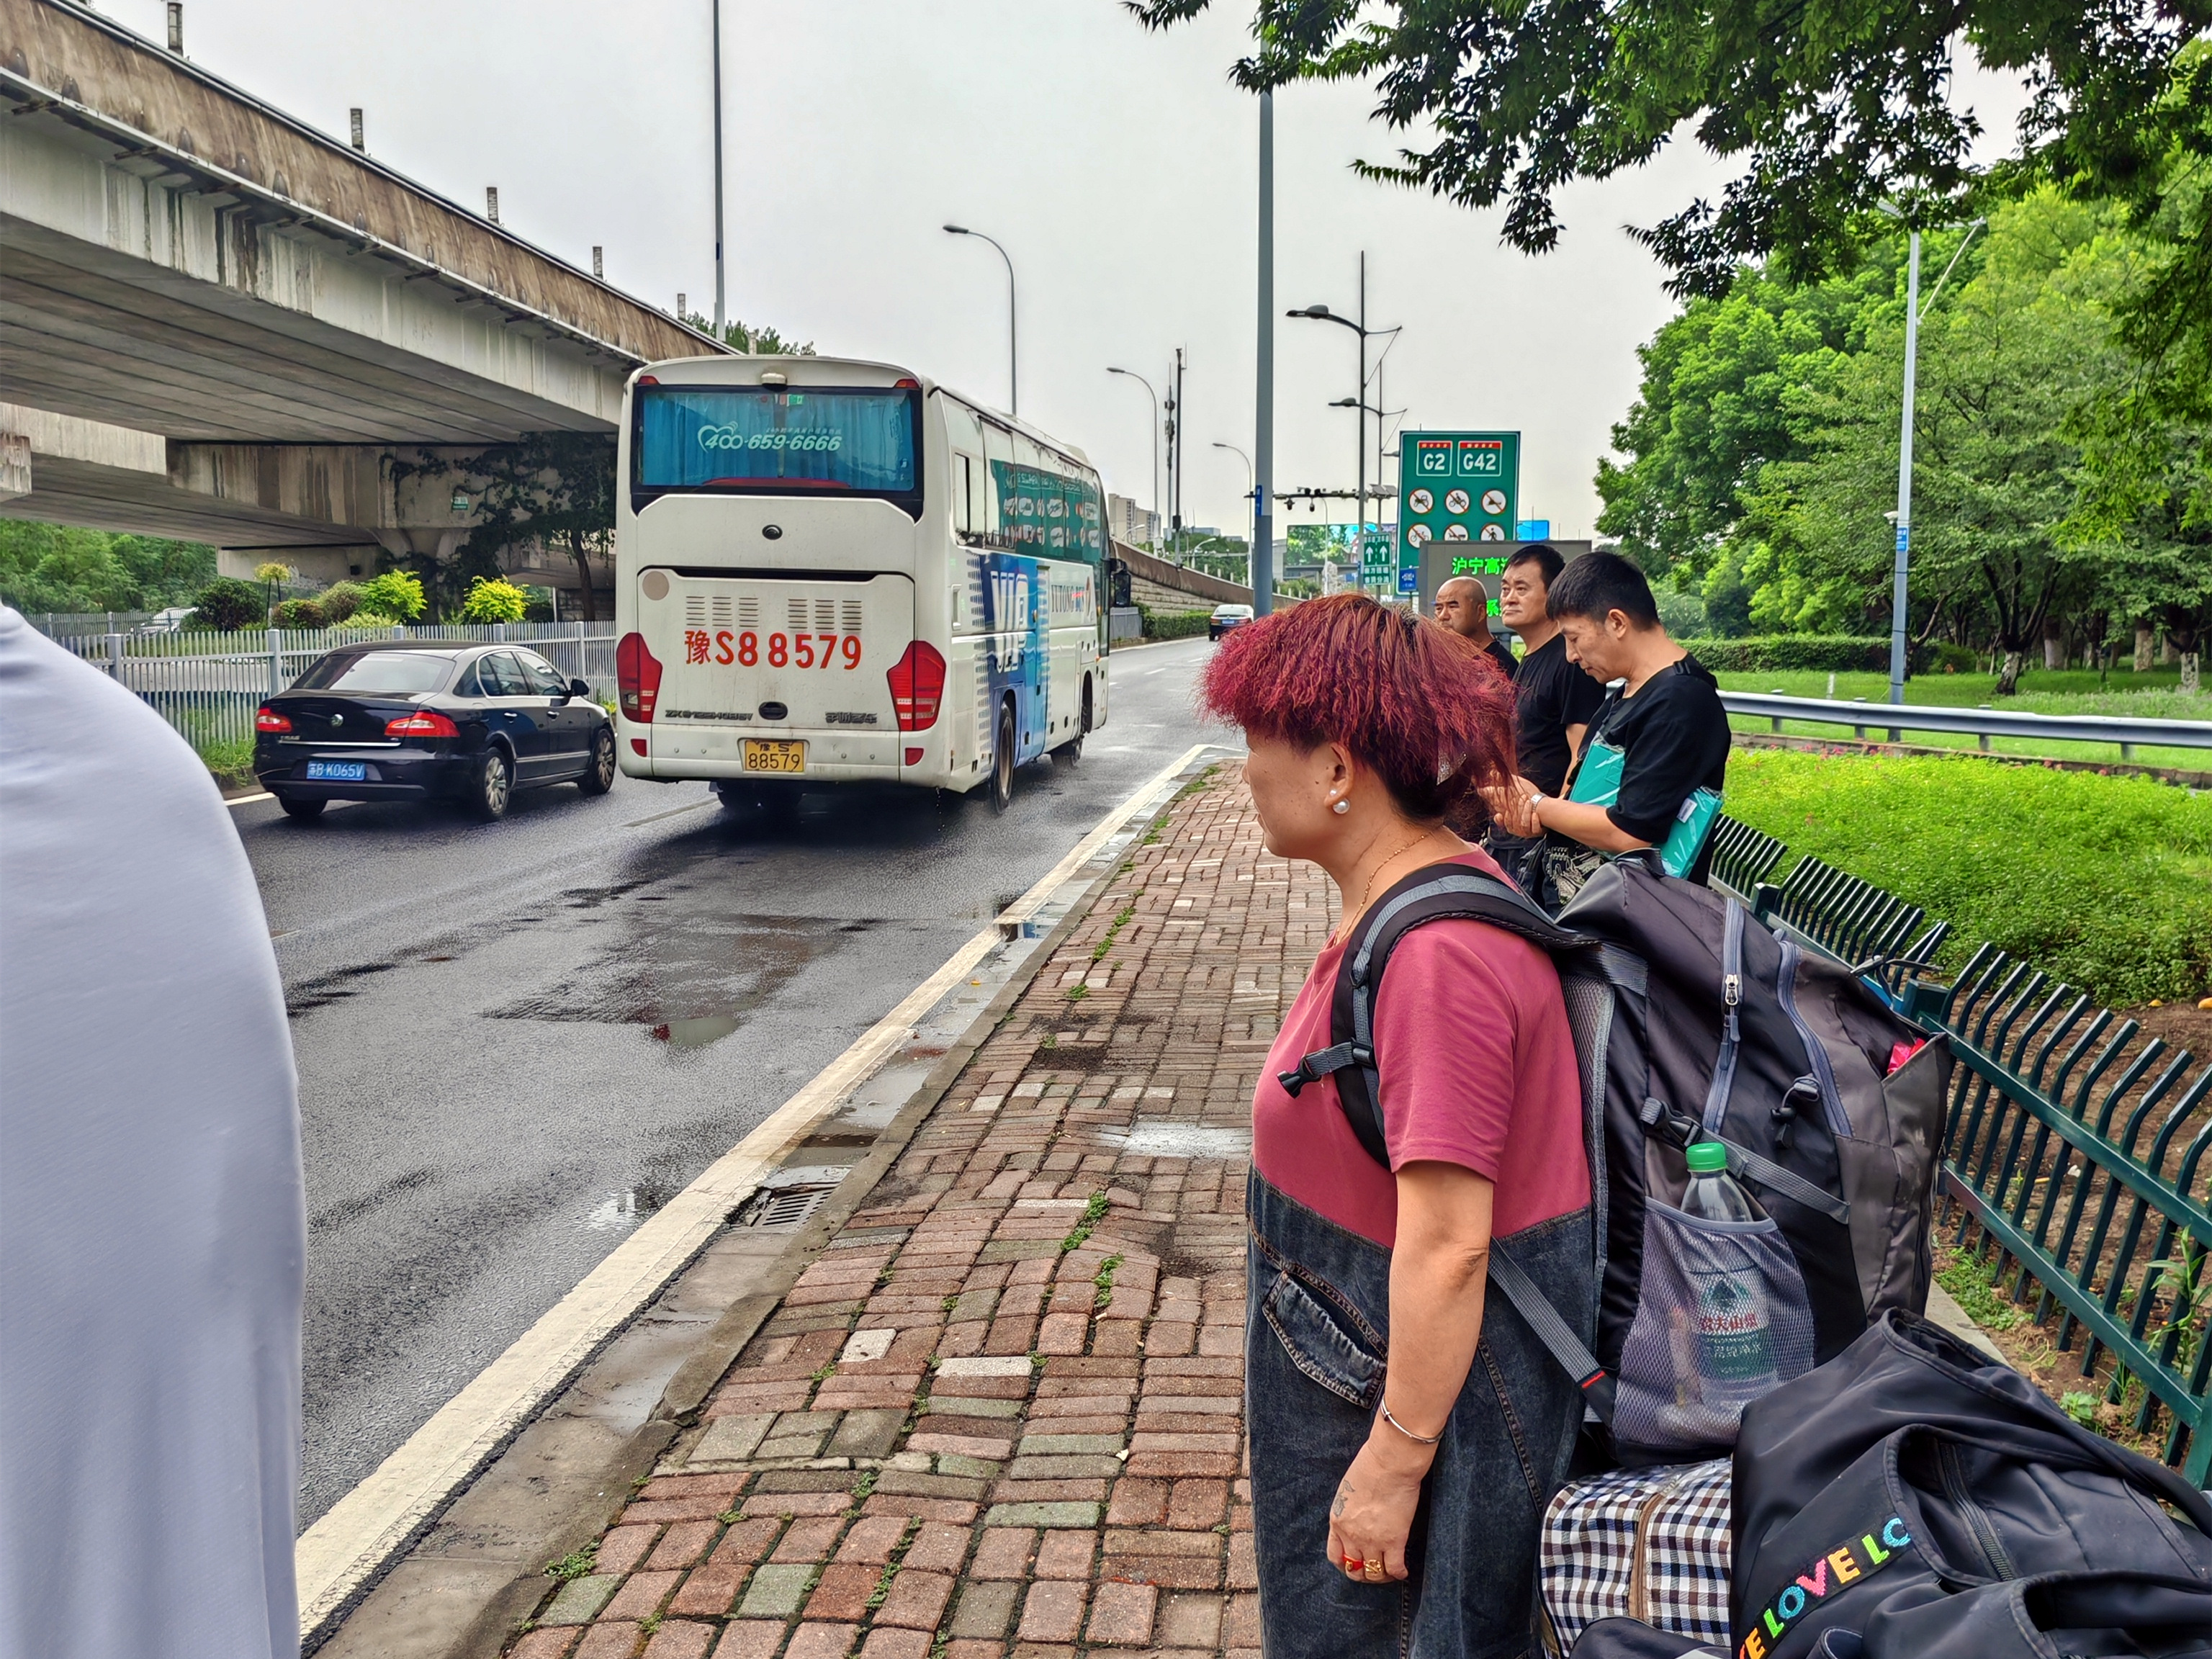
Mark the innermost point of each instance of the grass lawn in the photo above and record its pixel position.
(2104, 881)
(2153, 695)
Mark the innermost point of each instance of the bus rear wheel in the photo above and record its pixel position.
(1002, 761)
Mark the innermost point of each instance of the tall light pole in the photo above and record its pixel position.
(1263, 412)
(717, 169)
(1013, 359)
(1154, 446)
(1322, 314)
(1900, 590)
(1903, 577)
(1248, 490)
(1178, 418)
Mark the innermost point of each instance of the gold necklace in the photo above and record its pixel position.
(1344, 928)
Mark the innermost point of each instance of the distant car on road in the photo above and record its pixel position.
(165, 622)
(1226, 616)
(425, 719)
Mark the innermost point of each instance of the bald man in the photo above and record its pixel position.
(1463, 606)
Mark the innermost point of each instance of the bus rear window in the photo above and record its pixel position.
(781, 440)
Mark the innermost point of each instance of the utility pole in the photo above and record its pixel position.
(1263, 423)
(1359, 414)
(1177, 421)
(1898, 619)
(718, 168)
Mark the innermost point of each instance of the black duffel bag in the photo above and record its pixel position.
(1913, 1496)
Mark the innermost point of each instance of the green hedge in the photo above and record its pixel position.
(1173, 624)
(2105, 881)
(1842, 652)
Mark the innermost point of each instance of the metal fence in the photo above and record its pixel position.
(1897, 720)
(2078, 1158)
(208, 684)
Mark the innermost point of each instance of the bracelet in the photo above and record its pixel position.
(1424, 1440)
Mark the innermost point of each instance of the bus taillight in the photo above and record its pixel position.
(637, 678)
(917, 686)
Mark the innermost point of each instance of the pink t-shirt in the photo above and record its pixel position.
(1478, 1070)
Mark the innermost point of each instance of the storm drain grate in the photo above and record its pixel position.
(784, 1207)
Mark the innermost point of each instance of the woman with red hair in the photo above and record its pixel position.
(1404, 1435)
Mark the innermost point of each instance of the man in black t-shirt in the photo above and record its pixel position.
(1463, 606)
(1553, 700)
(1665, 720)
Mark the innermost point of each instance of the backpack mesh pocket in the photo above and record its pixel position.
(1721, 1318)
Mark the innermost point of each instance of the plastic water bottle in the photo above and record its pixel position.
(1713, 1194)
(1736, 1350)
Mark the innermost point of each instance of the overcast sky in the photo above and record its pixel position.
(1116, 165)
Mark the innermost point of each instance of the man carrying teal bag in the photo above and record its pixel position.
(1655, 763)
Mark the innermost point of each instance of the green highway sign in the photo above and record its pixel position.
(1457, 487)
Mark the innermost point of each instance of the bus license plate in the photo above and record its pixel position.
(337, 771)
(775, 755)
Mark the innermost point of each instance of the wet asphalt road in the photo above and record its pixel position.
(515, 1040)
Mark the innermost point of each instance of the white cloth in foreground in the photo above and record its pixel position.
(152, 1220)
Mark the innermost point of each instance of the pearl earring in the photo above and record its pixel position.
(1341, 806)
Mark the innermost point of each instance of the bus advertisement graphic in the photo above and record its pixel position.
(1014, 619)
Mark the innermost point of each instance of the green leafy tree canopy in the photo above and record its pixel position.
(495, 601)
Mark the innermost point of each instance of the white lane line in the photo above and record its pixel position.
(656, 817)
(240, 801)
(360, 1531)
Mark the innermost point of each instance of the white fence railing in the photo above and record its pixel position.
(208, 686)
(1895, 718)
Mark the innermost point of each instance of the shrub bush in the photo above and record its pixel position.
(2105, 881)
(1173, 624)
(496, 600)
(340, 601)
(396, 595)
(300, 613)
(1841, 653)
(230, 605)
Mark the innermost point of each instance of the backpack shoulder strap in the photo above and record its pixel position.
(1434, 893)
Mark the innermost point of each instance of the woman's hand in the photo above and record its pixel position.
(1372, 1513)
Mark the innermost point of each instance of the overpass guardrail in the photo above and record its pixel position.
(208, 684)
(1983, 723)
(2076, 1164)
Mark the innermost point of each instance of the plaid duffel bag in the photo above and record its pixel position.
(1647, 1544)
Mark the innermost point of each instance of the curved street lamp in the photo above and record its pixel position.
(1013, 362)
(1153, 444)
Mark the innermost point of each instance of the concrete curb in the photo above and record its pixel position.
(476, 1568)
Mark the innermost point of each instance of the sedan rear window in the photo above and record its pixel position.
(395, 671)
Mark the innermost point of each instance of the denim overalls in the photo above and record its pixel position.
(1317, 1335)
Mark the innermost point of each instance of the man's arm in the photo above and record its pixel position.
(1593, 826)
(1574, 741)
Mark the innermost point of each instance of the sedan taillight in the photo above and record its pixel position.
(270, 721)
(637, 678)
(917, 686)
(423, 723)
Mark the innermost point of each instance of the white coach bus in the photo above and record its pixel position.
(829, 571)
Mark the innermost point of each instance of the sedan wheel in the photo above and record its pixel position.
(492, 786)
(302, 808)
(599, 776)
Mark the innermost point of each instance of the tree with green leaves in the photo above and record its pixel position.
(1838, 111)
(60, 568)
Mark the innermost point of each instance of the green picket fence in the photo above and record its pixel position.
(2077, 1148)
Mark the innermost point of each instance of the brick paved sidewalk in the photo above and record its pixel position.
(1001, 1413)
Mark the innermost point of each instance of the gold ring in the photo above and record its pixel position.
(1375, 1573)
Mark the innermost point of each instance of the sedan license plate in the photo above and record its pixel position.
(775, 755)
(337, 771)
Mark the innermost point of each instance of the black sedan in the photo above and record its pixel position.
(424, 720)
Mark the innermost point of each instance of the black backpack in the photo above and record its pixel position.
(1692, 1022)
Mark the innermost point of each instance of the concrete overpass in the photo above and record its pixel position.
(218, 323)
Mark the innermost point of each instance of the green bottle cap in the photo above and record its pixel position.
(1707, 1157)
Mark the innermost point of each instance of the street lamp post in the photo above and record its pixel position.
(1154, 446)
(1251, 494)
(1263, 412)
(1322, 314)
(718, 168)
(1013, 358)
